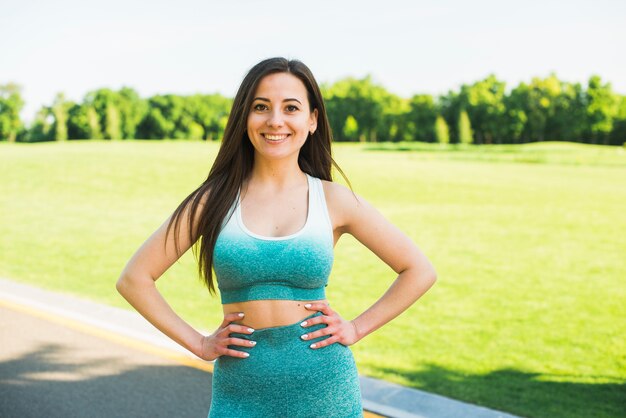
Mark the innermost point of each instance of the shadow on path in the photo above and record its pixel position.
(43, 382)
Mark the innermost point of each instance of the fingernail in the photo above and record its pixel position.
(252, 342)
(313, 345)
(246, 354)
(303, 324)
(305, 336)
(240, 314)
(308, 305)
(250, 330)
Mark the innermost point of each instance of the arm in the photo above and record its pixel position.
(137, 285)
(415, 273)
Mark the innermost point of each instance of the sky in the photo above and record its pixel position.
(409, 47)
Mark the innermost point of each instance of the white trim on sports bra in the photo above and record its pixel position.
(295, 234)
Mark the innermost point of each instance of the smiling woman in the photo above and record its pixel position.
(280, 114)
(267, 219)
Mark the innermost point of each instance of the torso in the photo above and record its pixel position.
(270, 313)
(276, 216)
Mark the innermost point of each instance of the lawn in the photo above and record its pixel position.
(529, 242)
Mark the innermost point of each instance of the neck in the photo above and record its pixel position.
(277, 174)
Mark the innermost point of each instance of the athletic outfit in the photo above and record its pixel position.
(283, 377)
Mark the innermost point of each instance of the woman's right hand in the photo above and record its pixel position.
(216, 344)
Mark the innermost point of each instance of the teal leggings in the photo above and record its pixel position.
(284, 377)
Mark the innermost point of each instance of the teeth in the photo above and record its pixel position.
(275, 137)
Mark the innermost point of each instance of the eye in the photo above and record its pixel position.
(260, 107)
(292, 108)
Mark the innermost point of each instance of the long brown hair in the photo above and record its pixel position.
(235, 158)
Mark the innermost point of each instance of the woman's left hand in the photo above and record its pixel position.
(340, 330)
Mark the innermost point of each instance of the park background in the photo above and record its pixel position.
(491, 134)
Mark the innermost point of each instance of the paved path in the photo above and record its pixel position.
(51, 370)
(61, 356)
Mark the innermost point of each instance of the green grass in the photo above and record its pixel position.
(528, 241)
(551, 152)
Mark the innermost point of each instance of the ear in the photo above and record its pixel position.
(313, 121)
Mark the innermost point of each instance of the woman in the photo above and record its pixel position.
(268, 217)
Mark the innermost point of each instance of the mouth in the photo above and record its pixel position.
(275, 137)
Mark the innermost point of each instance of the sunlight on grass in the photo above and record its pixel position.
(528, 242)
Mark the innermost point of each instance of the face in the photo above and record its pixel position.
(279, 121)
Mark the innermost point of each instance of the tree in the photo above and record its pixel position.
(618, 135)
(100, 100)
(442, 133)
(485, 107)
(60, 108)
(350, 128)
(465, 128)
(449, 106)
(94, 124)
(154, 125)
(119, 112)
(131, 109)
(42, 127)
(77, 123)
(361, 98)
(601, 109)
(112, 127)
(568, 121)
(546, 109)
(207, 111)
(83, 122)
(11, 104)
(394, 122)
(515, 120)
(421, 118)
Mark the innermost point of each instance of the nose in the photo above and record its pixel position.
(275, 119)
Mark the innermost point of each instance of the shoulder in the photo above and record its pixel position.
(337, 193)
(343, 204)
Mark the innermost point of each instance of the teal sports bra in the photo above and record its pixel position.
(249, 266)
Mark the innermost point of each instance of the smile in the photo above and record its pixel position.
(275, 137)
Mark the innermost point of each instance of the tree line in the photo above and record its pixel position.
(484, 112)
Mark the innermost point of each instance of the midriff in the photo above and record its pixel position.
(270, 313)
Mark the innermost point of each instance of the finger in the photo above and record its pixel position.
(231, 317)
(328, 341)
(321, 319)
(239, 341)
(234, 353)
(321, 307)
(241, 329)
(234, 329)
(317, 334)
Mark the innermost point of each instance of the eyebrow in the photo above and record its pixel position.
(267, 100)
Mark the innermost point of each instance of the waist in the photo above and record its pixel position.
(269, 313)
